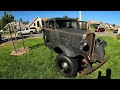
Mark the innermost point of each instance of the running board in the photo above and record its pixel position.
(88, 71)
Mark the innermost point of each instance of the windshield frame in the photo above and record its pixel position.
(64, 22)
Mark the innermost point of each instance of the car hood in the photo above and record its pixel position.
(74, 31)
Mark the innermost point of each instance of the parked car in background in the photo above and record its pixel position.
(115, 31)
(30, 30)
(100, 30)
(1, 32)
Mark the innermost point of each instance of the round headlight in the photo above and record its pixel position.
(83, 43)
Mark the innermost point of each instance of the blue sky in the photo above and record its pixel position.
(112, 17)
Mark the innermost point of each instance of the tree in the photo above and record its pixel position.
(113, 25)
(21, 20)
(11, 17)
(0, 25)
(65, 16)
(77, 18)
(27, 22)
(6, 18)
(95, 26)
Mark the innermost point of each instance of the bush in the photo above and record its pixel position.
(95, 26)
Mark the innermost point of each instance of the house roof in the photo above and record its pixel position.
(94, 21)
(51, 19)
(13, 23)
(6, 25)
(44, 19)
(33, 21)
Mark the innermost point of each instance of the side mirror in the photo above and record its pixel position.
(101, 41)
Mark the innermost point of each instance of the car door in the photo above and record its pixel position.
(57, 35)
(53, 32)
(27, 31)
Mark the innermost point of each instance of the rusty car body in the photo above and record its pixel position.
(77, 49)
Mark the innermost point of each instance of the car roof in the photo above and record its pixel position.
(60, 19)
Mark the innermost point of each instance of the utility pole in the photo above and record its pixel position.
(80, 19)
(80, 15)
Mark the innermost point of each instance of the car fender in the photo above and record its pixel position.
(69, 50)
(99, 49)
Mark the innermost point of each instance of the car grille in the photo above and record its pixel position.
(90, 38)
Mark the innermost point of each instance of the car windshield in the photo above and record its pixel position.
(66, 24)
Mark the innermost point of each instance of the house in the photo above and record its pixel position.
(109, 26)
(37, 23)
(44, 19)
(92, 22)
(16, 25)
(101, 25)
(116, 27)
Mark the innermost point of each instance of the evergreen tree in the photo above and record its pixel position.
(65, 16)
(27, 22)
(113, 25)
(95, 26)
(0, 25)
(6, 18)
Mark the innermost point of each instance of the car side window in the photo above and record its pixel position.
(51, 24)
(47, 24)
(26, 28)
(60, 24)
(32, 28)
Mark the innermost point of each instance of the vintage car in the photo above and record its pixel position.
(77, 48)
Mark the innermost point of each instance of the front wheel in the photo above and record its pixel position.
(66, 66)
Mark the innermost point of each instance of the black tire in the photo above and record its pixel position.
(72, 65)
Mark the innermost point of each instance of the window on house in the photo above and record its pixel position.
(15, 27)
(32, 28)
(43, 23)
(46, 24)
(38, 24)
(34, 24)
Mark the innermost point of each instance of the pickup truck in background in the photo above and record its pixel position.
(25, 31)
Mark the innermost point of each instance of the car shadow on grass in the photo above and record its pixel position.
(108, 75)
(36, 45)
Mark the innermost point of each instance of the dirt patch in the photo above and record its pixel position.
(19, 52)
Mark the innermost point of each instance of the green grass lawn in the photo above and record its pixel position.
(39, 62)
